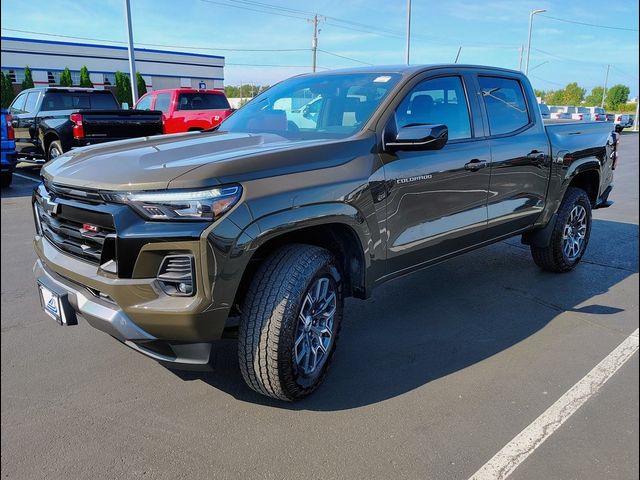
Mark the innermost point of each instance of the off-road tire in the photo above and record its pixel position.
(269, 320)
(6, 179)
(552, 257)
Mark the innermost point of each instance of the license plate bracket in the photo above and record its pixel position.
(55, 303)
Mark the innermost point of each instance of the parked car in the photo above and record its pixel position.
(187, 109)
(544, 111)
(9, 156)
(273, 225)
(579, 113)
(622, 121)
(49, 121)
(558, 113)
(598, 114)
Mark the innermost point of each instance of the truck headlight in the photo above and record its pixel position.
(203, 205)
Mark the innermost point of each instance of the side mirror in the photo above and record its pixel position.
(124, 105)
(420, 137)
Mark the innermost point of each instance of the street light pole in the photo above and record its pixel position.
(408, 29)
(132, 55)
(533, 12)
(604, 90)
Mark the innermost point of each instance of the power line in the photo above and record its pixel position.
(590, 24)
(241, 7)
(548, 81)
(345, 57)
(191, 47)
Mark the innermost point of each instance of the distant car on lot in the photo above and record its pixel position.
(544, 111)
(49, 121)
(598, 114)
(9, 155)
(622, 121)
(187, 109)
(579, 113)
(558, 113)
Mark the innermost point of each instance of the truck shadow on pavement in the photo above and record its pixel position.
(433, 323)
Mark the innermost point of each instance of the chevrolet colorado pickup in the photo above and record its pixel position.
(49, 121)
(261, 228)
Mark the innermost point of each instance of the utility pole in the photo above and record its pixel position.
(521, 54)
(533, 12)
(458, 54)
(635, 121)
(132, 55)
(408, 29)
(604, 91)
(314, 41)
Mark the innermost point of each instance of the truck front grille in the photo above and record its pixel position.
(77, 231)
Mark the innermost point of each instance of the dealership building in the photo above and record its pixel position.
(159, 68)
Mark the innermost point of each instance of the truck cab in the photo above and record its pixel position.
(187, 109)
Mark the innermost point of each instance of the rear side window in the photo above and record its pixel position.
(78, 101)
(505, 104)
(202, 101)
(18, 104)
(162, 102)
(437, 101)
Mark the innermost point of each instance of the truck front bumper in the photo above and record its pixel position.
(110, 318)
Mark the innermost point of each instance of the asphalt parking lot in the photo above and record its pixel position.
(433, 376)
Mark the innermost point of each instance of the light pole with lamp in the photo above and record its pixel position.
(533, 12)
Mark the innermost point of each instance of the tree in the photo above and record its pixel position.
(573, 94)
(6, 91)
(65, 78)
(594, 99)
(554, 97)
(617, 96)
(28, 78)
(123, 88)
(142, 85)
(85, 80)
(539, 93)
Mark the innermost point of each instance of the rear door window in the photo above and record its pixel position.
(18, 104)
(32, 101)
(163, 100)
(202, 101)
(505, 104)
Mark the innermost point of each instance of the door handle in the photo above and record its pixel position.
(535, 154)
(475, 165)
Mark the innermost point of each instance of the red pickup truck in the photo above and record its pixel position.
(187, 109)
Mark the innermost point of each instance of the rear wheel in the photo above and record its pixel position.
(290, 322)
(570, 235)
(54, 150)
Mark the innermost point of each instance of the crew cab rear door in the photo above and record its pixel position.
(520, 163)
(437, 199)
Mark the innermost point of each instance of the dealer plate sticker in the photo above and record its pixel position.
(51, 304)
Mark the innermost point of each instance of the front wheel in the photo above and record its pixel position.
(290, 322)
(570, 235)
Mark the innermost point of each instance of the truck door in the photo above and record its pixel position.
(23, 114)
(520, 165)
(437, 199)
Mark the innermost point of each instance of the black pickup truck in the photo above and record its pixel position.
(262, 228)
(49, 121)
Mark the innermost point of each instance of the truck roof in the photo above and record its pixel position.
(412, 69)
(68, 89)
(215, 91)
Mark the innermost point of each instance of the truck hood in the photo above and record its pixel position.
(153, 163)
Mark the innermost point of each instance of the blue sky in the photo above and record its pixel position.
(371, 31)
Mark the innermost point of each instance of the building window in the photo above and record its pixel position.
(75, 77)
(109, 79)
(15, 75)
(53, 78)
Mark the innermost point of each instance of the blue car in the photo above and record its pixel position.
(9, 154)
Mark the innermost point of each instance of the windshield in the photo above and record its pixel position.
(318, 106)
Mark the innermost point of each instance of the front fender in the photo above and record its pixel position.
(233, 261)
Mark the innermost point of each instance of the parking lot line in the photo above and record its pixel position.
(525, 443)
(35, 180)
